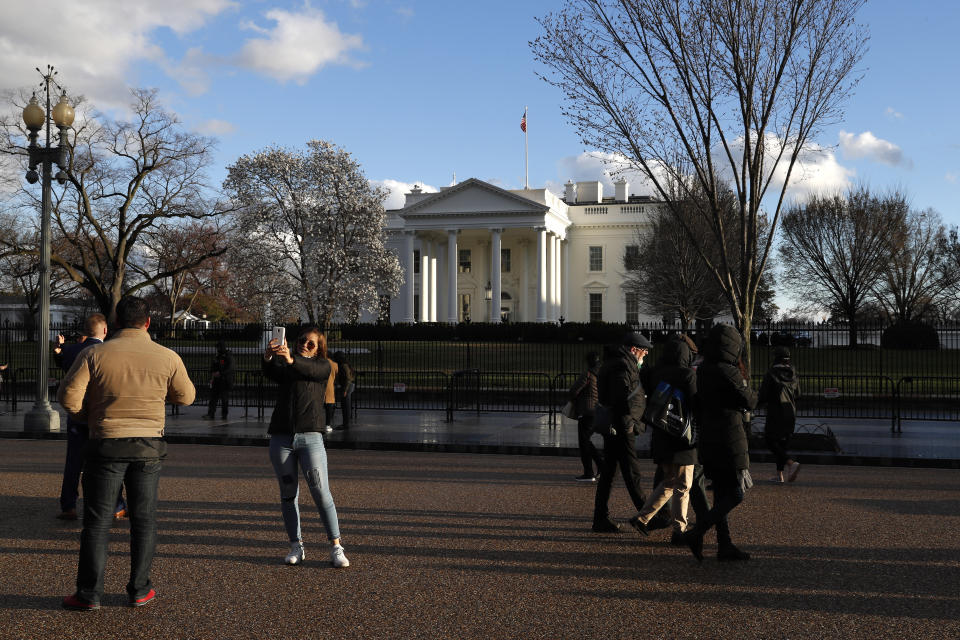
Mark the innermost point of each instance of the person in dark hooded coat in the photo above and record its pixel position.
(779, 392)
(675, 456)
(723, 396)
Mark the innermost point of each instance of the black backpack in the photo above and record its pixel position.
(666, 410)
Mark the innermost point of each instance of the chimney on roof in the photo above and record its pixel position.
(622, 189)
(570, 192)
(591, 191)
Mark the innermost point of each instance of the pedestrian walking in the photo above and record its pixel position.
(723, 398)
(221, 381)
(583, 395)
(343, 387)
(94, 333)
(779, 392)
(296, 436)
(121, 388)
(674, 455)
(621, 393)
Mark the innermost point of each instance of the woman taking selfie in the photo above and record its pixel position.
(296, 435)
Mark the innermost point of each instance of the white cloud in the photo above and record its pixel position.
(867, 145)
(297, 46)
(93, 44)
(397, 190)
(215, 127)
(599, 166)
(893, 113)
(404, 12)
(951, 176)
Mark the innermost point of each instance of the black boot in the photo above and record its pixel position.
(730, 553)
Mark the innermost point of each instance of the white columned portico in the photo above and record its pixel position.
(495, 284)
(434, 250)
(541, 274)
(556, 277)
(424, 282)
(523, 304)
(551, 277)
(408, 284)
(565, 287)
(452, 259)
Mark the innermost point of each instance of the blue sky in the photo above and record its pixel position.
(420, 90)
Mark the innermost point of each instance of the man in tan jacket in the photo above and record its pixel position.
(120, 389)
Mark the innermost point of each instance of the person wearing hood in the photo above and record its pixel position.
(620, 390)
(675, 456)
(583, 394)
(221, 381)
(779, 392)
(723, 396)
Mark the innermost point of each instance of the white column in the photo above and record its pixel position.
(408, 284)
(424, 282)
(434, 249)
(551, 277)
(452, 258)
(523, 304)
(495, 283)
(565, 287)
(541, 274)
(556, 277)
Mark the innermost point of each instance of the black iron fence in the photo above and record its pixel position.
(866, 381)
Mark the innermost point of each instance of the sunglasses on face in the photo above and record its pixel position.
(307, 342)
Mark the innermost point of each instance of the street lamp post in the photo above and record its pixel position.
(42, 416)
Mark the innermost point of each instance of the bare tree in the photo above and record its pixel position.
(317, 214)
(709, 95)
(124, 179)
(834, 249)
(919, 273)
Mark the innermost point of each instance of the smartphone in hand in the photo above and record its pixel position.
(279, 334)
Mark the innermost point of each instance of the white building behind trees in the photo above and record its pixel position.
(544, 257)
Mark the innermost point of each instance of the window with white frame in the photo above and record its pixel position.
(633, 308)
(596, 307)
(463, 264)
(505, 260)
(596, 259)
(416, 260)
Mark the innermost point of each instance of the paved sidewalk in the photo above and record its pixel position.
(921, 443)
(486, 547)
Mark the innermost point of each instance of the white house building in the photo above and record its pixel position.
(543, 257)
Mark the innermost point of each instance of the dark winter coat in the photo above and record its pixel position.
(619, 389)
(674, 360)
(301, 395)
(722, 398)
(223, 364)
(779, 392)
(583, 393)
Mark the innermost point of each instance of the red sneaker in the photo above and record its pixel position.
(139, 602)
(73, 603)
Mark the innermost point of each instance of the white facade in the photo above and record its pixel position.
(449, 242)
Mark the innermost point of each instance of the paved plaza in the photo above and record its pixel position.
(461, 545)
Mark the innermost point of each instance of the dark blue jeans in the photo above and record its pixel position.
(727, 494)
(77, 436)
(102, 479)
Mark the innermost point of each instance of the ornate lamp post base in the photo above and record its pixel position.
(41, 419)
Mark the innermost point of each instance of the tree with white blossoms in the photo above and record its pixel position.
(317, 214)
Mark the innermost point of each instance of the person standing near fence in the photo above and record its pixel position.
(779, 392)
(619, 389)
(221, 381)
(94, 333)
(296, 436)
(121, 388)
(344, 385)
(723, 398)
(583, 395)
(330, 393)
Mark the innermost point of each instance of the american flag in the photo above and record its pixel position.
(523, 122)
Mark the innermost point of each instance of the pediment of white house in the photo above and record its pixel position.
(470, 198)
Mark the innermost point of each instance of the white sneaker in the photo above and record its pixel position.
(338, 558)
(296, 554)
(792, 470)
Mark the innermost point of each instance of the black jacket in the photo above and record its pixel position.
(223, 364)
(300, 397)
(673, 366)
(722, 397)
(619, 388)
(779, 392)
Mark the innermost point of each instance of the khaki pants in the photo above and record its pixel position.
(674, 488)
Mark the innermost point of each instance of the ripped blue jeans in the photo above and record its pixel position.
(308, 449)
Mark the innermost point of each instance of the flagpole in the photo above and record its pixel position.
(526, 162)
